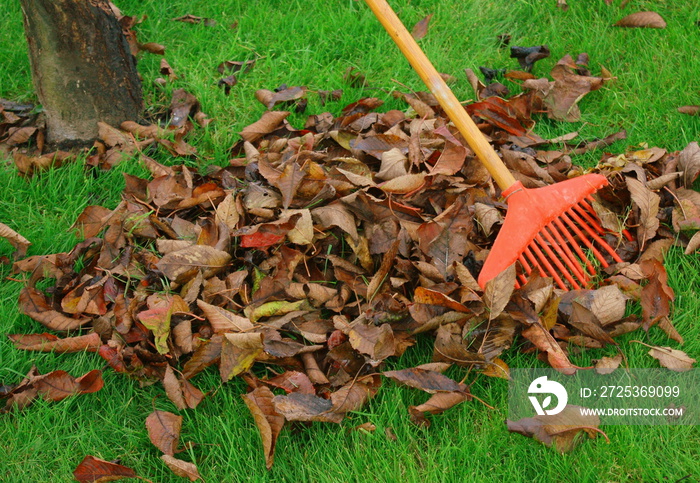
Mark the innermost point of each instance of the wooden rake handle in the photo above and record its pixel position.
(435, 83)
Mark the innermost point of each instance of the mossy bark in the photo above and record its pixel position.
(82, 68)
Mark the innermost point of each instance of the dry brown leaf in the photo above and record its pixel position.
(29, 165)
(353, 395)
(673, 359)
(173, 389)
(559, 430)
(432, 297)
(335, 214)
(306, 407)
(207, 353)
(50, 343)
(487, 216)
(192, 395)
(648, 203)
(657, 295)
(497, 368)
(498, 291)
(420, 29)
(238, 353)
(153, 48)
(404, 184)
(606, 365)
(689, 163)
(181, 468)
(20, 243)
(693, 243)
(269, 121)
(423, 379)
(164, 430)
(568, 88)
(544, 341)
(182, 265)
(92, 469)
(227, 212)
(223, 320)
(689, 110)
(267, 419)
(271, 98)
(377, 342)
(642, 19)
(33, 303)
(293, 381)
(92, 220)
(438, 403)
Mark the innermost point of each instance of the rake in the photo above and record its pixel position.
(551, 229)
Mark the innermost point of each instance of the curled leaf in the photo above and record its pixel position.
(642, 19)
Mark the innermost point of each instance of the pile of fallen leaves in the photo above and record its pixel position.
(323, 250)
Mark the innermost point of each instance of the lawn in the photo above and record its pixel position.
(313, 44)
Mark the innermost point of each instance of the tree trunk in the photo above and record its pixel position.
(82, 68)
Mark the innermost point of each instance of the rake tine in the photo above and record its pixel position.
(590, 208)
(586, 215)
(567, 257)
(556, 261)
(575, 245)
(550, 270)
(595, 237)
(527, 268)
(533, 260)
(583, 238)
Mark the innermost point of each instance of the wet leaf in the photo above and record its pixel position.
(527, 56)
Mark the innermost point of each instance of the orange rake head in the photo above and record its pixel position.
(549, 228)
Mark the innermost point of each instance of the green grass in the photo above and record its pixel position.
(312, 44)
